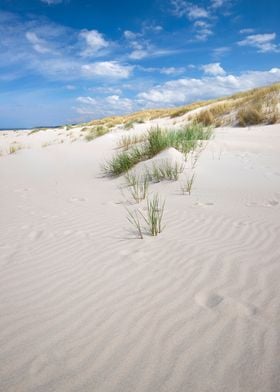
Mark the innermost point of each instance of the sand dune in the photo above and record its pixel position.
(86, 306)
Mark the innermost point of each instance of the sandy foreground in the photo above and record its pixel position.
(86, 306)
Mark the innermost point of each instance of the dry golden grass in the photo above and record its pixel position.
(258, 106)
(127, 141)
(14, 148)
(220, 109)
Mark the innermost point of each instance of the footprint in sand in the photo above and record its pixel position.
(212, 300)
(35, 235)
(77, 199)
(207, 204)
(271, 203)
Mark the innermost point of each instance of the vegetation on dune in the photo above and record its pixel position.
(253, 107)
(94, 132)
(138, 186)
(220, 107)
(152, 218)
(164, 171)
(14, 148)
(184, 140)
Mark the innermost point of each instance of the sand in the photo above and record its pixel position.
(86, 306)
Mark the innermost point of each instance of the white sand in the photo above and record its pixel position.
(84, 306)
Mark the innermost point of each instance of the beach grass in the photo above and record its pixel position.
(155, 210)
(184, 140)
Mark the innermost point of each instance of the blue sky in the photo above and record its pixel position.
(64, 61)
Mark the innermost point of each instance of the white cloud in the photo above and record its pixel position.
(87, 100)
(218, 3)
(263, 42)
(195, 12)
(139, 54)
(110, 105)
(191, 11)
(202, 29)
(172, 70)
(220, 52)
(107, 69)
(213, 69)
(94, 41)
(38, 44)
(246, 31)
(130, 35)
(187, 90)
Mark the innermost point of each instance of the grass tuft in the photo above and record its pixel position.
(184, 140)
(94, 132)
(155, 209)
(14, 148)
(138, 186)
(165, 171)
(251, 115)
(186, 187)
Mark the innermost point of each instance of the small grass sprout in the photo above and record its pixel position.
(155, 210)
(186, 186)
(138, 186)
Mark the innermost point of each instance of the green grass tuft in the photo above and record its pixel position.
(184, 140)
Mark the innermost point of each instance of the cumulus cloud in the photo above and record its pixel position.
(263, 42)
(107, 69)
(213, 69)
(187, 90)
(94, 42)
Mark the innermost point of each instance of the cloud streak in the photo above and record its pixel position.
(263, 42)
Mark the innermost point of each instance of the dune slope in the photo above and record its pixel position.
(86, 306)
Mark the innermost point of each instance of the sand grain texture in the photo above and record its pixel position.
(87, 307)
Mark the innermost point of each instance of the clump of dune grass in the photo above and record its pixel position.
(124, 161)
(129, 140)
(184, 140)
(34, 131)
(94, 132)
(250, 115)
(14, 148)
(129, 125)
(155, 210)
(186, 186)
(138, 186)
(205, 117)
(164, 171)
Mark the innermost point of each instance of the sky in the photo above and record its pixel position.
(69, 61)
